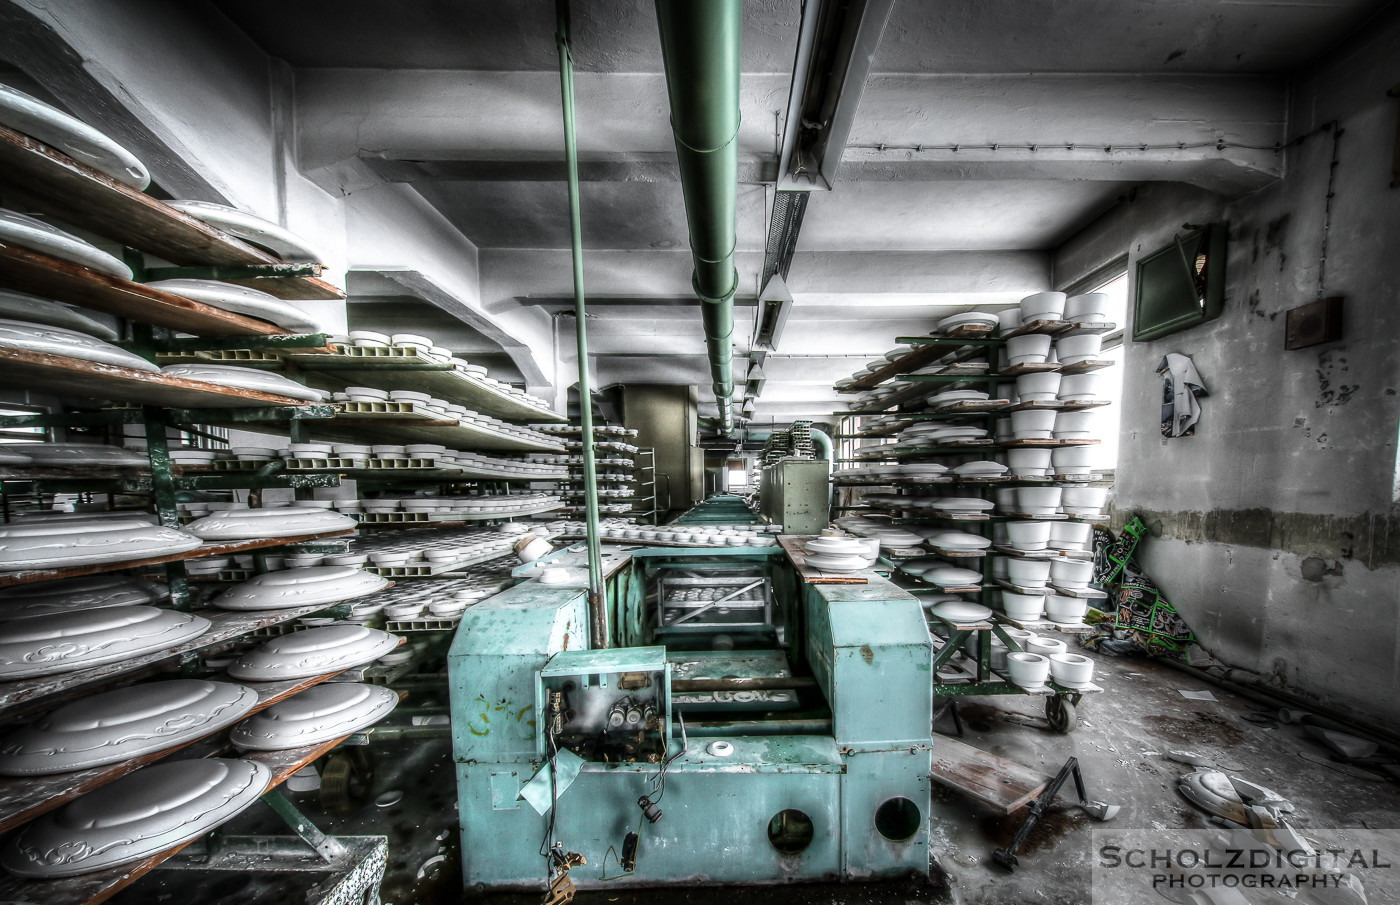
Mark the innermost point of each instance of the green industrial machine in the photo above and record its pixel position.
(779, 731)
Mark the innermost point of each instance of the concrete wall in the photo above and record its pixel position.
(1275, 519)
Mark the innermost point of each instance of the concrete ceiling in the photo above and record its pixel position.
(978, 147)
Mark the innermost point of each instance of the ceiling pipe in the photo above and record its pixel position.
(700, 48)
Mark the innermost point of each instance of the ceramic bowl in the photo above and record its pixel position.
(1074, 349)
(1040, 644)
(1042, 306)
(1089, 308)
(1070, 535)
(1084, 500)
(390, 558)
(369, 339)
(1037, 500)
(1035, 424)
(1080, 388)
(1028, 535)
(1073, 425)
(1027, 573)
(1074, 460)
(1071, 670)
(1022, 607)
(410, 339)
(1027, 670)
(1071, 573)
(1027, 463)
(1040, 387)
(1029, 349)
(1065, 610)
(253, 453)
(1008, 319)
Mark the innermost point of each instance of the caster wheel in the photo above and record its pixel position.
(346, 780)
(1060, 712)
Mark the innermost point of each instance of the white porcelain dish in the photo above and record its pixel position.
(47, 544)
(241, 300)
(31, 233)
(835, 546)
(317, 715)
(80, 454)
(245, 379)
(959, 540)
(260, 232)
(34, 310)
(145, 812)
(960, 504)
(1072, 670)
(300, 587)
(1040, 644)
(121, 724)
(953, 577)
(60, 341)
(313, 652)
(77, 640)
(285, 521)
(1027, 670)
(980, 469)
(966, 319)
(837, 563)
(961, 611)
(90, 593)
(72, 136)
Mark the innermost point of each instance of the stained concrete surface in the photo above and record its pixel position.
(1122, 743)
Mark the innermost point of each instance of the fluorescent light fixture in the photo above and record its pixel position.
(774, 305)
(835, 47)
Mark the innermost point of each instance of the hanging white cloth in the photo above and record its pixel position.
(1181, 388)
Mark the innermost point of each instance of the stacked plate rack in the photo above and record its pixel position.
(626, 482)
(977, 508)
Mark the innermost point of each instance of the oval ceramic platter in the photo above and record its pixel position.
(245, 379)
(70, 543)
(283, 521)
(241, 300)
(27, 232)
(80, 454)
(93, 593)
(78, 640)
(301, 587)
(34, 310)
(124, 723)
(145, 812)
(260, 232)
(60, 341)
(960, 612)
(72, 136)
(316, 715)
(313, 652)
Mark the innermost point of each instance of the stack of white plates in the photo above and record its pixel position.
(301, 587)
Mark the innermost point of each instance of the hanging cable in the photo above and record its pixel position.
(1337, 131)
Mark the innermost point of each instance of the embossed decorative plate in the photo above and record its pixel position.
(300, 587)
(48, 544)
(313, 652)
(245, 379)
(316, 715)
(34, 310)
(283, 521)
(72, 136)
(85, 638)
(92, 593)
(117, 725)
(140, 814)
(60, 341)
(28, 232)
(242, 300)
(246, 226)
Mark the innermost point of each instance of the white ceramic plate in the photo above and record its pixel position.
(72, 136)
(71, 454)
(264, 233)
(917, 567)
(34, 310)
(960, 540)
(837, 563)
(245, 379)
(48, 544)
(92, 593)
(145, 812)
(300, 587)
(980, 318)
(313, 652)
(958, 396)
(284, 521)
(316, 715)
(84, 638)
(961, 611)
(980, 469)
(835, 546)
(59, 341)
(962, 504)
(950, 577)
(27, 232)
(241, 300)
(117, 725)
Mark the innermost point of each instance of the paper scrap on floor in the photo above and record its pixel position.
(1196, 695)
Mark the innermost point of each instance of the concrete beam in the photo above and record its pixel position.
(489, 166)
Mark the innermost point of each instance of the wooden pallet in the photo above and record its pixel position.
(792, 544)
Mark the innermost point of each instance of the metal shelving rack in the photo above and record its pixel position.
(959, 353)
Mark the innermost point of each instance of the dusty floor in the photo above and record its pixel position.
(1122, 743)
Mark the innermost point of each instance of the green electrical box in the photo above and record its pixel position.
(1181, 285)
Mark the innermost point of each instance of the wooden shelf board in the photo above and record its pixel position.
(22, 798)
(227, 548)
(48, 179)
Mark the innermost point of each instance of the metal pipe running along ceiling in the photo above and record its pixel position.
(700, 48)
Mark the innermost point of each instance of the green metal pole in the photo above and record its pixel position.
(597, 593)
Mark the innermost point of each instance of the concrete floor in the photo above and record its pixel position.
(1123, 742)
